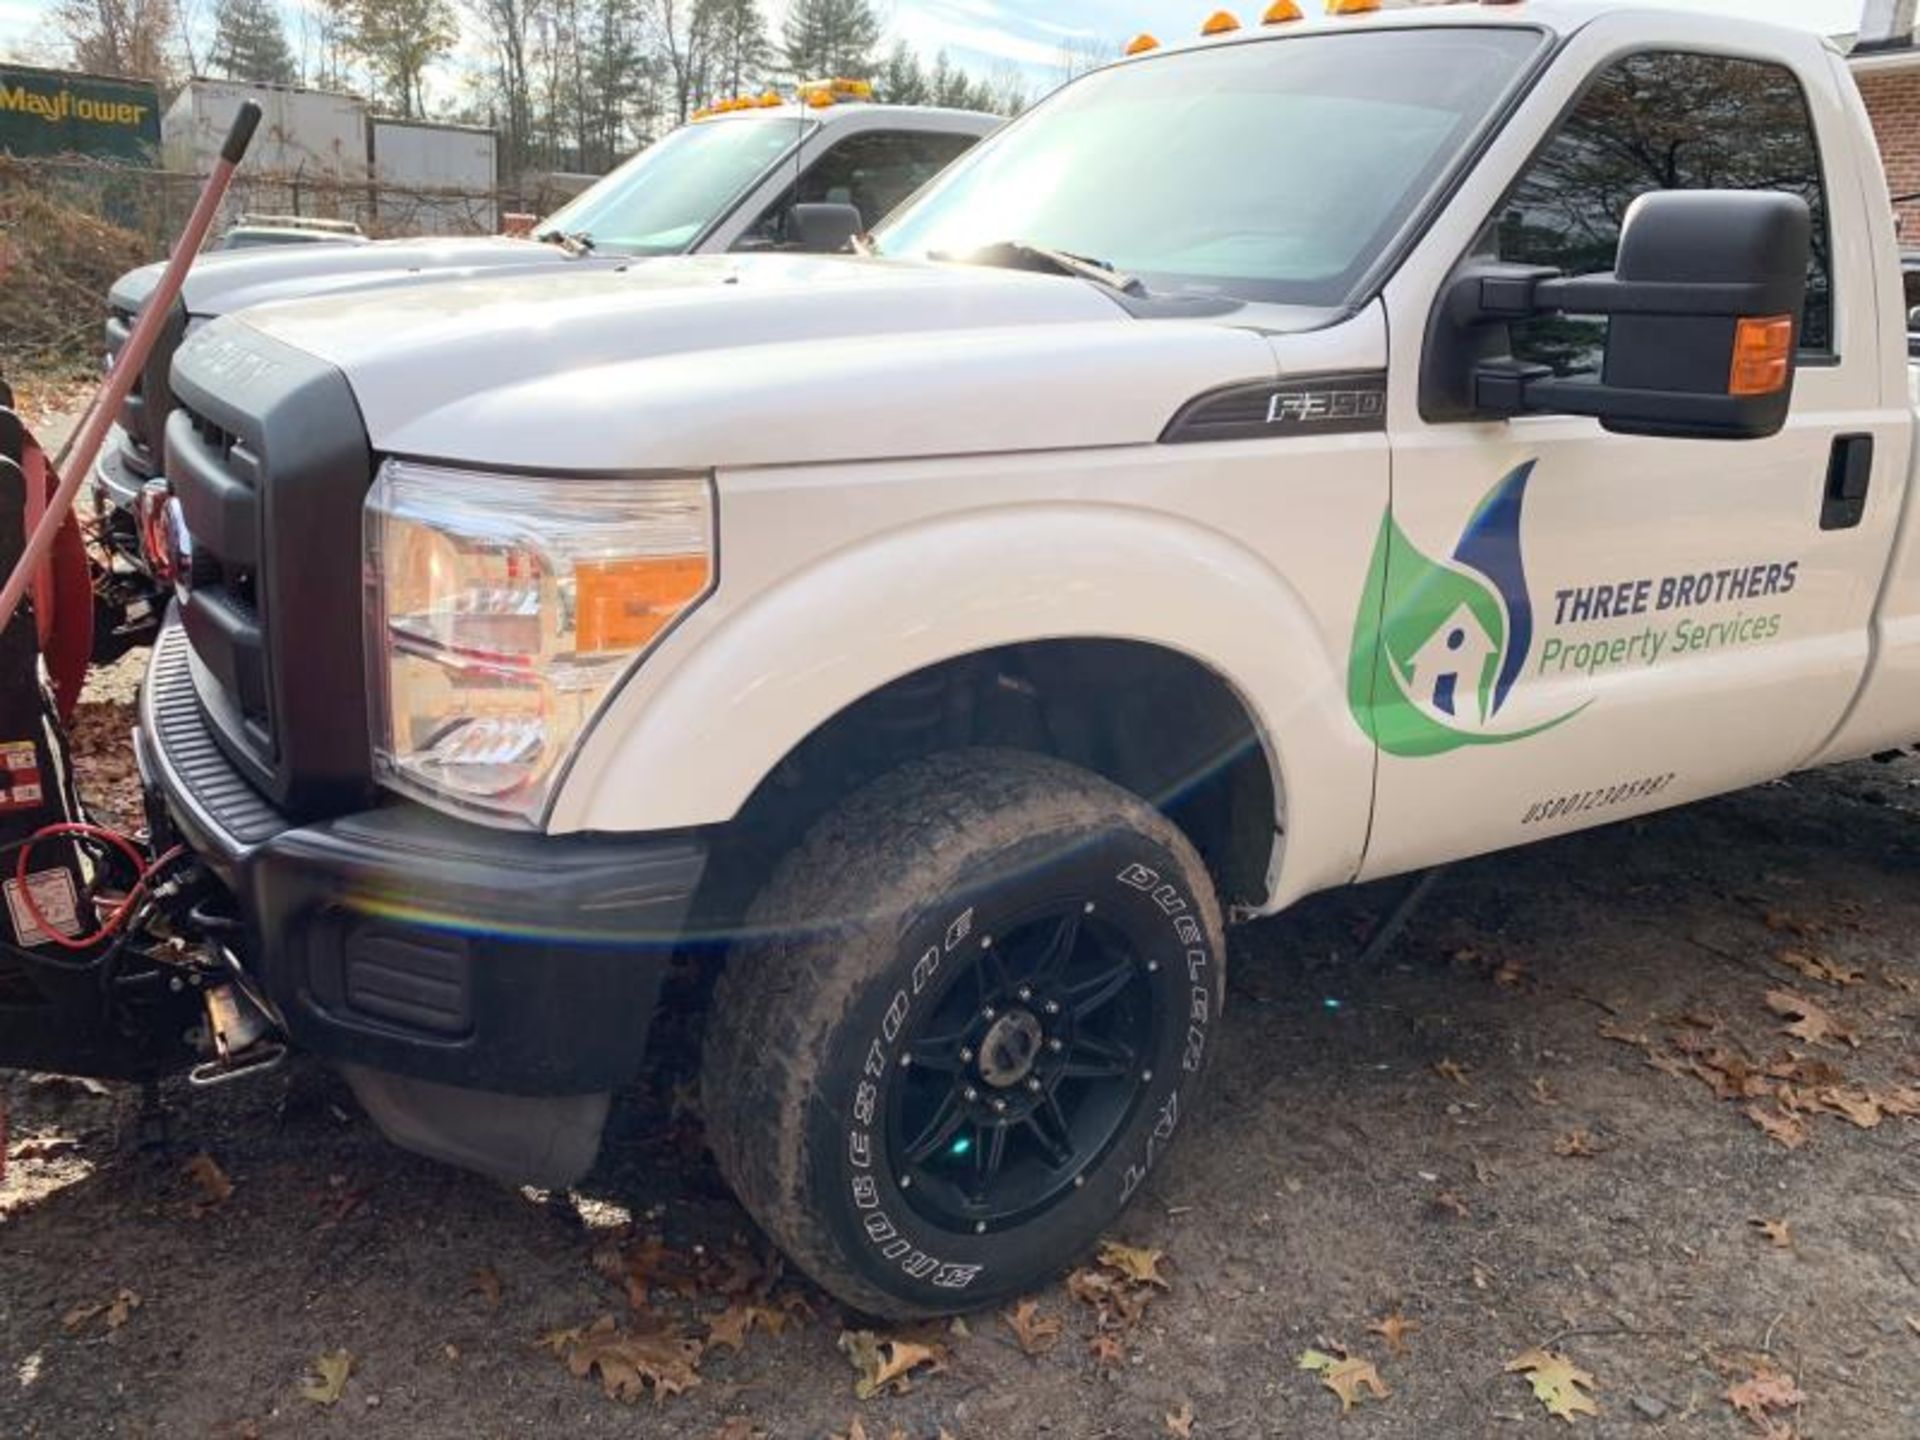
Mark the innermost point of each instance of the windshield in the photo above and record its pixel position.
(666, 197)
(1265, 171)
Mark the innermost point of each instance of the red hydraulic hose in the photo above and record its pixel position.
(131, 360)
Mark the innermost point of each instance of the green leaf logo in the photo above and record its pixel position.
(1438, 644)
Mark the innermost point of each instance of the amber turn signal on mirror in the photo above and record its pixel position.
(1762, 355)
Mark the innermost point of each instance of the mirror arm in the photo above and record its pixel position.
(1489, 294)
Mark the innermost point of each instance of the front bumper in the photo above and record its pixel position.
(403, 941)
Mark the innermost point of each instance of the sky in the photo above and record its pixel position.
(983, 35)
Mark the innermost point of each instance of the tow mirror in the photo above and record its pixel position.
(1703, 311)
(824, 229)
(1913, 318)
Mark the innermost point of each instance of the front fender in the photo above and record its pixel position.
(706, 719)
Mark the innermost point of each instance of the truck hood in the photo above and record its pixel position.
(744, 360)
(224, 281)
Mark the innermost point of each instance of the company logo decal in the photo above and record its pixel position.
(1439, 644)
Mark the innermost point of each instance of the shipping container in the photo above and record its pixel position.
(304, 134)
(432, 179)
(65, 112)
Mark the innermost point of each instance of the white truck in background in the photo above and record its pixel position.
(1322, 451)
(740, 178)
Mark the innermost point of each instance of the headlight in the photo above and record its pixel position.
(501, 610)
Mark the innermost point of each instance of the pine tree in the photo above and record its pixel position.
(735, 50)
(829, 39)
(250, 44)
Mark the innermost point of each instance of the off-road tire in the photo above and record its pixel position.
(903, 876)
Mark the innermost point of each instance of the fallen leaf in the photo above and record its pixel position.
(1543, 1092)
(1901, 1100)
(1140, 1266)
(1730, 1076)
(1812, 1022)
(1394, 1329)
(1818, 967)
(1180, 1422)
(485, 1282)
(1107, 1352)
(1638, 1039)
(1781, 1128)
(884, 1363)
(1576, 1144)
(1482, 1277)
(1778, 1232)
(1900, 982)
(1347, 1376)
(215, 1188)
(1913, 1323)
(1512, 973)
(329, 1378)
(1451, 1203)
(1791, 924)
(738, 1427)
(1859, 1107)
(111, 1313)
(631, 1362)
(739, 1320)
(1558, 1384)
(1765, 1392)
(1036, 1333)
(1450, 1070)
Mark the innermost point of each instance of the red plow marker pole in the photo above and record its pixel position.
(132, 359)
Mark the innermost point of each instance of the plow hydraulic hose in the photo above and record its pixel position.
(131, 360)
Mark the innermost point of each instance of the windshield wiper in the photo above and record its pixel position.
(578, 243)
(1018, 255)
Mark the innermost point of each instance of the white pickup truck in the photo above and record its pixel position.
(732, 180)
(1317, 452)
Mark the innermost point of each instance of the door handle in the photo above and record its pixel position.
(1849, 475)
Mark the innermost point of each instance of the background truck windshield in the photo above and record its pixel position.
(662, 201)
(1275, 170)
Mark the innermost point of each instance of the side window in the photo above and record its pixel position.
(875, 171)
(1661, 121)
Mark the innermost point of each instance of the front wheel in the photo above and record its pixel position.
(964, 1027)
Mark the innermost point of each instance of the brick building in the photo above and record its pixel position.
(1886, 64)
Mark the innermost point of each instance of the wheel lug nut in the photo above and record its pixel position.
(906, 1182)
(966, 1056)
(1146, 1077)
(1056, 1045)
(970, 1093)
(1026, 993)
(1052, 1007)
(1078, 1181)
(999, 1107)
(979, 1227)
(1033, 1085)
(986, 942)
(1152, 965)
(905, 1061)
(987, 1014)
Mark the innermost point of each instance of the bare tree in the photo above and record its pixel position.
(134, 38)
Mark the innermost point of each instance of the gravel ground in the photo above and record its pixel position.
(1549, 1119)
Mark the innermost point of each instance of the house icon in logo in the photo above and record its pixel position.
(1452, 665)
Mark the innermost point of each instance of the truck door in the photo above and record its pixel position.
(1571, 627)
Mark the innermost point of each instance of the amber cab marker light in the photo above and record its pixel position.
(1141, 44)
(1280, 12)
(1762, 352)
(1352, 7)
(1220, 23)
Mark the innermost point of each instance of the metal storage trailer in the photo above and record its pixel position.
(432, 179)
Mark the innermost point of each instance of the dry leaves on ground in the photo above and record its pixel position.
(485, 1282)
(111, 1313)
(1180, 1422)
(1037, 1333)
(1140, 1266)
(1394, 1329)
(631, 1362)
(1109, 1354)
(215, 1188)
(1558, 1384)
(1349, 1376)
(1778, 1233)
(1812, 1021)
(1763, 1397)
(328, 1382)
(1576, 1144)
(883, 1364)
(1820, 968)
(739, 1320)
(1785, 1129)
(1450, 1070)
